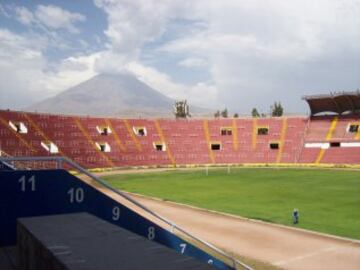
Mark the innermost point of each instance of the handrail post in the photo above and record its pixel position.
(59, 163)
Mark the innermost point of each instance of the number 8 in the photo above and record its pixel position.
(151, 233)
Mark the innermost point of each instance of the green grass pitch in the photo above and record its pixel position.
(328, 200)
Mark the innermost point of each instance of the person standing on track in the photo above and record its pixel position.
(296, 216)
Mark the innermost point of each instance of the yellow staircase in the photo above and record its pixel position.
(87, 136)
(235, 135)
(133, 137)
(38, 129)
(17, 135)
(282, 139)
(254, 134)
(116, 136)
(328, 137)
(207, 137)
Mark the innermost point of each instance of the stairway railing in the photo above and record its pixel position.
(60, 163)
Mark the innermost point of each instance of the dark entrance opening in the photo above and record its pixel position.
(274, 146)
(335, 144)
(215, 146)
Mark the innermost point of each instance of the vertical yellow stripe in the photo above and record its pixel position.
(117, 139)
(332, 128)
(207, 137)
(235, 135)
(162, 138)
(328, 137)
(282, 139)
(28, 145)
(36, 127)
(254, 133)
(87, 136)
(3, 153)
(133, 137)
(357, 135)
(320, 156)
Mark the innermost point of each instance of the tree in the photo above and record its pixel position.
(181, 109)
(236, 115)
(224, 113)
(255, 113)
(217, 114)
(277, 110)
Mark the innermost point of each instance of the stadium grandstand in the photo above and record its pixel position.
(45, 181)
(330, 135)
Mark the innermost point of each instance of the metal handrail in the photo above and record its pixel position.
(60, 160)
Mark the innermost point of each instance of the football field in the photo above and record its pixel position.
(328, 200)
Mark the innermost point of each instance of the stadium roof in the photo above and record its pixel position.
(339, 103)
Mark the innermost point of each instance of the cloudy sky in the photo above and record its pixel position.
(234, 53)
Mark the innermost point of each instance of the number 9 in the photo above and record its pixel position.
(116, 213)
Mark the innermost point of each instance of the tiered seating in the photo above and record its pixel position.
(132, 151)
(293, 140)
(333, 130)
(182, 141)
(149, 155)
(342, 133)
(245, 129)
(342, 155)
(186, 140)
(263, 153)
(318, 128)
(18, 144)
(228, 153)
(309, 155)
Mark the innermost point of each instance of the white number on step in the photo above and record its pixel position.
(76, 195)
(116, 213)
(30, 183)
(151, 233)
(183, 247)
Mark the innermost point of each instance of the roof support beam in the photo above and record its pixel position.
(335, 102)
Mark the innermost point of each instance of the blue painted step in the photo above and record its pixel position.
(48, 192)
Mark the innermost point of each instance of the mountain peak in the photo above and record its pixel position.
(109, 95)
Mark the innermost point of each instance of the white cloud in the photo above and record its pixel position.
(24, 15)
(21, 65)
(193, 62)
(70, 72)
(255, 51)
(131, 24)
(258, 52)
(51, 17)
(201, 94)
(26, 76)
(56, 18)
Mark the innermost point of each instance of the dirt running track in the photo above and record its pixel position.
(277, 245)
